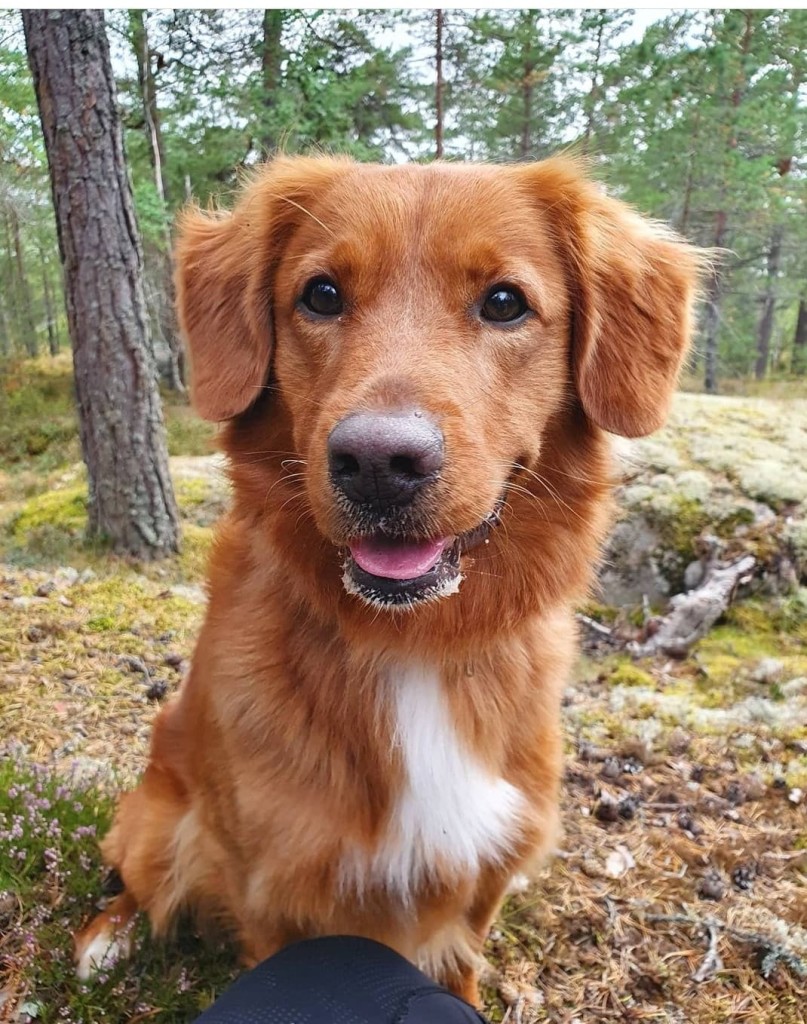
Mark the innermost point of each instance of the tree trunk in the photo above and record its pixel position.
(271, 71)
(527, 86)
(5, 337)
(768, 305)
(595, 83)
(799, 363)
(714, 291)
(8, 291)
(438, 87)
(148, 97)
(25, 312)
(170, 370)
(131, 500)
(53, 335)
(714, 294)
(689, 186)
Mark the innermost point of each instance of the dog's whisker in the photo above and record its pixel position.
(271, 451)
(276, 389)
(285, 479)
(550, 490)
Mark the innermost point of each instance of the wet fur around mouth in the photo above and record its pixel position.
(443, 580)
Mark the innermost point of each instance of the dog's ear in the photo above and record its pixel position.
(633, 283)
(225, 264)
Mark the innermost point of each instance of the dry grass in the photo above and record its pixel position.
(679, 893)
(696, 811)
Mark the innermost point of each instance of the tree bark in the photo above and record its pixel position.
(271, 71)
(131, 501)
(439, 85)
(765, 329)
(799, 362)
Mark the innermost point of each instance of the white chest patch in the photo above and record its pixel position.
(452, 814)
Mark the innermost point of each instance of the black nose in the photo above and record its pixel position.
(384, 458)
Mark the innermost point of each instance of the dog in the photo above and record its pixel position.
(417, 368)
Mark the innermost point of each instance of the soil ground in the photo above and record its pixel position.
(679, 889)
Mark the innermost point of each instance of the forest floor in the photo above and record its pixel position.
(679, 890)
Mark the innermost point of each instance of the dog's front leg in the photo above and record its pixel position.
(107, 938)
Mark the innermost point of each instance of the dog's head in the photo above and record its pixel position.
(413, 332)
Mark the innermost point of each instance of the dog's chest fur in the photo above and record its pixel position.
(452, 815)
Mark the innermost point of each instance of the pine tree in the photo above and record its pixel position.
(131, 501)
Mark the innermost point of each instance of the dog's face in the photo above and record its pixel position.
(422, 326)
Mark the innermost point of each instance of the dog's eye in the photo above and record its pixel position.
(321, 296)
(503, 304)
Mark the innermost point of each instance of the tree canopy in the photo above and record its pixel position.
(698, 120)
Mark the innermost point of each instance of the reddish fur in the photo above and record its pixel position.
(276, 741)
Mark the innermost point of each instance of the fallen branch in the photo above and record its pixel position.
(594, 625)
(693, 614)
(773, 952)
(712, 962)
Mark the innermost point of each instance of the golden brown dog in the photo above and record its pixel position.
(417, 366)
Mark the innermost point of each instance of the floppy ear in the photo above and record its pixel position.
(225, 264)
(633, 285)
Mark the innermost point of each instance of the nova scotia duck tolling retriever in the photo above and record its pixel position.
(417, 369)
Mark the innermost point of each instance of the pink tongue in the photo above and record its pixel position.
(397, 560)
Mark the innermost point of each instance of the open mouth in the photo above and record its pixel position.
(396, 572)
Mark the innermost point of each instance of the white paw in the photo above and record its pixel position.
(519, 883)
(101, 953)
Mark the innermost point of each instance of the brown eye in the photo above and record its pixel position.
(503, 304)
(321, 296)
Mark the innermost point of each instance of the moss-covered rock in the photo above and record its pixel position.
(774, 482)
(735, 469)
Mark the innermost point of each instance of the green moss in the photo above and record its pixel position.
(628, 674)
(197, 542)
(718, 667)
(191, 493)
(603, 613)
(64, 511)
(122, 603)
(102, 624)
(733, 639)
(187, 433)
(37, 413)
(716, 690)
(683, 521)
(727, 523)
(777, 626)
(113, 604)
(789, 615)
